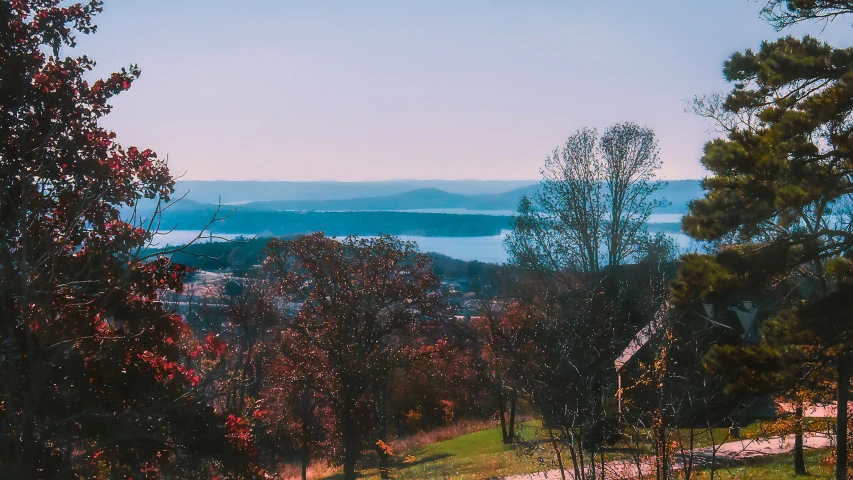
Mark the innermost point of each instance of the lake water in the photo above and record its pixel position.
(485, 249)
(491, 249)
(665, 218)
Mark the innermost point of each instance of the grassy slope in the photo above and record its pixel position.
(475, 455)
(483, 455)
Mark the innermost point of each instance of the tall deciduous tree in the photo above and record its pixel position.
(94, 374)
(501, 334)
(783, 177)
(367, 306)
(595, 199)
(571, 240)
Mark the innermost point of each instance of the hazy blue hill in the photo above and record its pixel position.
(255, 191)
(423, 198)
(380, 214)
(678, 193)
(420, 198)
(185, 204)
(339, 223)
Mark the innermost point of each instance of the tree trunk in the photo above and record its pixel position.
(30, 448)
(592, 472)
(305, 462)
(349, 439)
(349, 463)
(381, 429)
(799, 458)
(559, 455)
(841, 419)
(663, 461)
(512, 417)
(662, 466)
(581, 453)
(350, 453)
(502, 413)
(306, 437)
(688, 466)
(662, 448)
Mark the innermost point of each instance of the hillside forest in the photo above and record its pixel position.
(599, 350)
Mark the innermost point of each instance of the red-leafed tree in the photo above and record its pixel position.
(294, 405)
(248, 320)
(95, 376)
(439, 385)
(503, 331)
(365, 306)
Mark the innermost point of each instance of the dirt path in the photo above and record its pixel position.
(622, 469)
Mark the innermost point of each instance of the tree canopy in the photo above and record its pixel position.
(778, 202)
(595, 200)
(95, 374)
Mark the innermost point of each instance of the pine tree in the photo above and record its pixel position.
(779, 195)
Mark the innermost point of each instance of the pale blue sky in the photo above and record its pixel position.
(428, 89)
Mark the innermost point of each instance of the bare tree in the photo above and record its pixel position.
(588, 218)
(595, 199)
(630, 162)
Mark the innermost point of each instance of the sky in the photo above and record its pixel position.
(357, 90)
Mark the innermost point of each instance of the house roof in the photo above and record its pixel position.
(642, 337)
(745, 313)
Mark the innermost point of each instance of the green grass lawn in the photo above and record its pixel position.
(475, 455)
(775, 467)
(482, 454)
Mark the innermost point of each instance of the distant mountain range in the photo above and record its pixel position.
(422, 198)
(238, 192)
(272, 208)
(264, 197)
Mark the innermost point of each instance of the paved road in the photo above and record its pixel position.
(623, 469)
